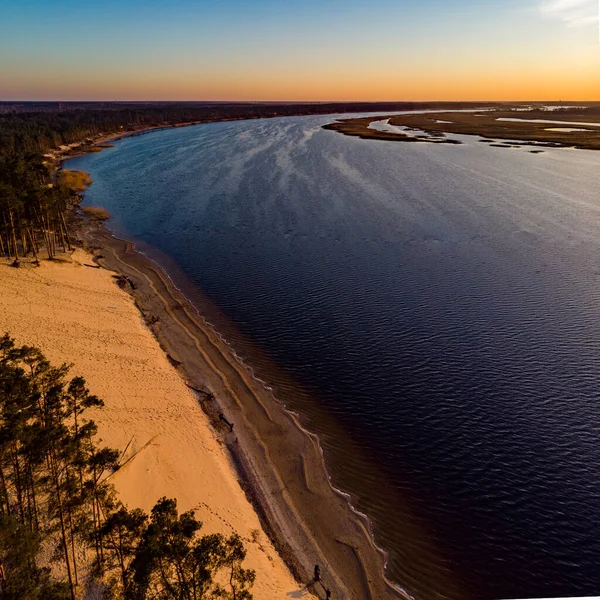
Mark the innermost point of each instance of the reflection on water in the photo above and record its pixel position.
(439, 304)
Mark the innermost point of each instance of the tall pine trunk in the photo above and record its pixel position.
(18, 485)
(36, 519)
(4, 500)
(63, 529)
(33, 246)
(64, 223)
(14, 237)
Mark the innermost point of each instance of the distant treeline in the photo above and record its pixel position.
(41, 130)
(33, 199)
(38, 127)
(62, 529)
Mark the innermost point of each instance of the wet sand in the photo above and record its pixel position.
(76, 314)
(280, 464)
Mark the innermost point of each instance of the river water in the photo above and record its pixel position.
(433, 312)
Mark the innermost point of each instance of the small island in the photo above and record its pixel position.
(577, 127)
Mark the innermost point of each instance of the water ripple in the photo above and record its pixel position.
(435, 312)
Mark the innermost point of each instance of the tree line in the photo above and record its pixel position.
(62, 528)
(34, 200)
(33, 203)
(38, 130)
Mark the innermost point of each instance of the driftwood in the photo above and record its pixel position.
(123, 453)
(224, 419)
(121, 465)
(209, 395)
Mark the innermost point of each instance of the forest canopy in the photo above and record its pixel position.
(62, 528)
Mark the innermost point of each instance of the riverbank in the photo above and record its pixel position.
(102, 141)
(361, 128)
(97, 143)
(281, 464)
(76, 314)
(528, 128)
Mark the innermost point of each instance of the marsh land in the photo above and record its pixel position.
(577, 127)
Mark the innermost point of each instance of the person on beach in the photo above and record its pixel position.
(317, 573)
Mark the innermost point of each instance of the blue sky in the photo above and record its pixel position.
(327, 50)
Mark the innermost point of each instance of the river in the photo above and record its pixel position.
(433, 312)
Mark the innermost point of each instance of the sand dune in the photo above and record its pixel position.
(78, 315)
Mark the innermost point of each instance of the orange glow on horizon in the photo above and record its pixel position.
(367, 87)
(382, 50)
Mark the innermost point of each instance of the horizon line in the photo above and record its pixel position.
(230, 101)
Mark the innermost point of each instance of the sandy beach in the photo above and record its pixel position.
(78, 315)
(280, 463)
(165, 376)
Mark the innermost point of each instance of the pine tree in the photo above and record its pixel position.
(53, 490)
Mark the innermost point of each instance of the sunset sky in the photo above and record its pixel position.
(299, 49)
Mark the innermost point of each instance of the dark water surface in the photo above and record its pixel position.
(439, 308)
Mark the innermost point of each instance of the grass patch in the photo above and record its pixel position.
(78, 181)
(360, 128)
(96, 213)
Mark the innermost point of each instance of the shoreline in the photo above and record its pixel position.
(253, 111)
(359, 127)
(281, 463)
(494, 126)
(59, 156)
(83, 317)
